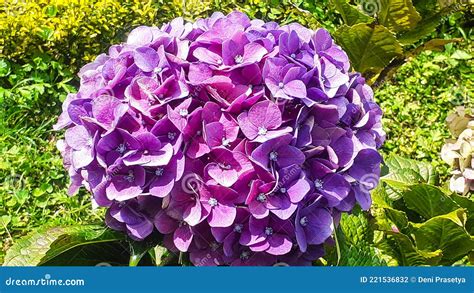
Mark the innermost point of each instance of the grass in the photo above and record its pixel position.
(33, 181)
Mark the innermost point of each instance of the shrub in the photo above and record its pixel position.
(416, 103)
(69, 29)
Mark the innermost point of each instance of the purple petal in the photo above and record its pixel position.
(146, 58)
(222, 216)
(182, 238)
(279, 244)
(295, 88)
(164, 223)
(141, 230)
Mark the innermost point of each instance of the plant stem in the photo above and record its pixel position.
(134, 260)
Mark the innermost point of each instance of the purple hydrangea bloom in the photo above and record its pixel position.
(240, 141)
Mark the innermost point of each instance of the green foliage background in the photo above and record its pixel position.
(44, 43)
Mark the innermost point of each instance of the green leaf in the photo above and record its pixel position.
(46, 33)
(400, 247)
(380, 197)
(358, 256)
(355, 241)
(461, 55)
(4, 221)
(4, 68)
(427, 25)
(356, 229)
(51, 10)
(398, 165)
(429, 201)
(355, 247)
(97, 254)
(398, 15)
(21, 196)
(446, 233)
(467, 204)
(405, 172)
(45, 245)
(369, 48)
(464, 202)
(402, 178)
(350, 14)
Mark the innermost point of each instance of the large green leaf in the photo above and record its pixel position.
(446, 233)
(400, 247)
(361, 256)
(355, 241)
(350, 14)
(424, 28)
(370, 48)
(463, 201)
(398, 15)
(428, 23)
(468, 204)
(356, 229)
(404, 173)
(429, 201)
(398, 166)
(53, 245)
(93, 254)
(347, 254)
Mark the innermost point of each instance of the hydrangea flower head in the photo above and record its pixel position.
(240, 141)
